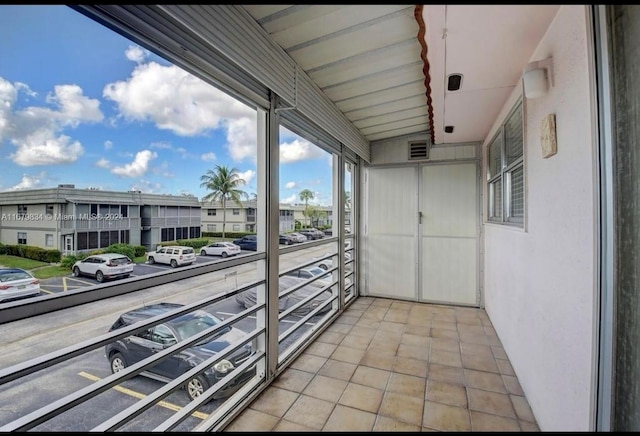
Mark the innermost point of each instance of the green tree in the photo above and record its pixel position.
(224, 184)
(306, 195)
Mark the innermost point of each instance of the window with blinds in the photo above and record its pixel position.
(505, 171)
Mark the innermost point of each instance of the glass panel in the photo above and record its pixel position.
(495, 198)
(495, 157)
(517, 194)
(513, 136)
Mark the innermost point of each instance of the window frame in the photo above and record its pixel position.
(22, 238)
(503, 175)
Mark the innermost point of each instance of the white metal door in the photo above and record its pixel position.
(390, 235)
(421, 233)
(449, 234)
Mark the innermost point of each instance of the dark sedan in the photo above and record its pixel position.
(248, 242)
(133, 349)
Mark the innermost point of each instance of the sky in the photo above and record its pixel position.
(80, 104)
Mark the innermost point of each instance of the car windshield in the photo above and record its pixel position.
(7, 276)
(120, 260)
(192, 324)
(317, 271)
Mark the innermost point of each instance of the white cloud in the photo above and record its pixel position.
(175, 100)
(102, 163)
(299, 149)
(290, 185)
(108, 145)
(28, 182)
(138, 167)
(163, 170)
(147, 187)
(37, 132)
(290, 199)
(208, 157)
(161, 145)
(247, 176)
(136, 53)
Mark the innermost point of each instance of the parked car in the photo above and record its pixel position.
(287, 239)
(223, 249)
(298, 237)
(104, 266)
(307, 273)
(325, 264)
(247, 298)
(312, 234)
(248, 242)
(16, 283)
(132, 349)
(173, 255)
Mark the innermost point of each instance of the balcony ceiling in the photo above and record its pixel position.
(367, 60)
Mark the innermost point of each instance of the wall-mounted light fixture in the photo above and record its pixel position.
(537, 76)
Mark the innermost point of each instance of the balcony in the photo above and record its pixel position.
(391, 365)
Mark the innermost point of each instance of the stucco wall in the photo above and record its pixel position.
(540, 282)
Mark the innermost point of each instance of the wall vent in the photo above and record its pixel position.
(418, 150)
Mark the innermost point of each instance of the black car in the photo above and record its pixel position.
(247, 242)
(132, 349)
(286, 239)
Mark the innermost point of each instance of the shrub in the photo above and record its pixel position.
(139, 250)
(69, 260)
(125, 249)
(31, 252)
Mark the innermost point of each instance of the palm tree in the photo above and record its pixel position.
(224, 183)
(306, 195)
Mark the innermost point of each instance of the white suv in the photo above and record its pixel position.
(104, 266)
(173, 255)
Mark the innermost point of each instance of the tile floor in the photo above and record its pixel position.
(389, 365)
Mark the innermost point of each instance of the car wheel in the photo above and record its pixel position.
(99, 277)
(117, 362)
(203, 253)
(224, 254)
(323, 266)
(174, 263)
(195, 387)
(76, 271)
(151, 260)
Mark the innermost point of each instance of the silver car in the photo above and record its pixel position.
(16, 283)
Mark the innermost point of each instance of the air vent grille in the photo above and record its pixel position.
(418, 150)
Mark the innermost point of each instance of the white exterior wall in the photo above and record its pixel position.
(540, 282)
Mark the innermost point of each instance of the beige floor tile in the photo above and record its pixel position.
(417, 329)
(397, 315)
(512, 385)
(402, 408)
(382, 302)
(368, 323)
(521, 406)
(345, 319)
(388, 326)
(274, 401)
(419, 320)
(438, 332)
(354, 341)
(347, 354)
(387, 336)
(528, 426)
(451, 345)
(446, 373)
(406, 385)
(325, 388)
(376, 360)
(308, 362)
(337, 327)
(321, 349)
(415, 340)
(480, 363)
(381, 346)
(487, 381)
(401, 305)
(413, 351)
(466, 329)
(437, 323)
(373, 377)
(354, 312)
(446, 393)
(476, 349)
(407, 365)
(330, 338)
(310, 412)
(499, 353)
(252, 421)
(505, 368)
(449, 358)
(293, 380)
(472, 338)
(337, 369)
(490, 402)
(484, 422)
(345, 419)
(384, 423)
(365, 332)
(284, 425)
(362, 397)
(445, 418)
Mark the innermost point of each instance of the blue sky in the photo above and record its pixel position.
(81, 104)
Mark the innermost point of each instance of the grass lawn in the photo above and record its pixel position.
(46, 272)
(20, 262)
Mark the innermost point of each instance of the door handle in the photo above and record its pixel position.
(419, 217)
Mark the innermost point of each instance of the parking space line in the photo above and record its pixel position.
(64, 283)
(140, 396)
(155, 266)
(48, 292)
(78, 280)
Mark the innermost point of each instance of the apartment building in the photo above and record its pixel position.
(75, 220)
